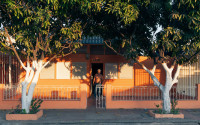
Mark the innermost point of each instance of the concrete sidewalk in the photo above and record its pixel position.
(93, 116)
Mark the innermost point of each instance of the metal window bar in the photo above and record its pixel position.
(148, 93)
(52, 93)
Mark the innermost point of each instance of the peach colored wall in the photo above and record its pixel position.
(6, 104)
(139, 92)
(110, 104)
(140, 76)
(183, 104)
(78, 104)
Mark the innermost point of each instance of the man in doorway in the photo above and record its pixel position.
(97, 81)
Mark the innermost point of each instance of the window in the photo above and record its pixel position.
(126, 71)
(4, 69)
(63, 70)
(97, 50)
(111, 70)
(48, 72)
(79, 70)
(9, 69)
(15, 70)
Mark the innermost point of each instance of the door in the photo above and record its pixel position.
(95, 67)
(100, 98)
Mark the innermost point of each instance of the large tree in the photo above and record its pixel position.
(42, 31)
(134, 33)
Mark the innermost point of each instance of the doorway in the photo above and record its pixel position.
(98, 102)
(95, 67)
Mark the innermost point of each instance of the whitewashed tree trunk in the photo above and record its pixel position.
(24, 87)
(9, 70)
(166, 102)
(165, 92)
(32, 73)
(23, 100)
(32, 76)
(168, 84)
(31, 90)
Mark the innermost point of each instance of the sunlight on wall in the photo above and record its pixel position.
(126, 71)
(48, 72)
(63, 70)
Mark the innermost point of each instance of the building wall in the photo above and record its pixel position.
(189, 76)
(140, 76)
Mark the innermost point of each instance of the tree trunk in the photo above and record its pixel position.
(31, 90)
(165, 92)
(166, 102)
(168, 84)
(24, 100)
(31, 77)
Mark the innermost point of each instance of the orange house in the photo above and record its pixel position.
(81, 67)
(69, 79)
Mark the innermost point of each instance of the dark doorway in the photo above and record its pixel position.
(95, 67)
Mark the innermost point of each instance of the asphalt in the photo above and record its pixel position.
(94, 116)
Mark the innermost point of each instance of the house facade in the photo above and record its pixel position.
(67, 82)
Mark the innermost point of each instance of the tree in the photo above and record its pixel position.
(176, 44)
(42, 30)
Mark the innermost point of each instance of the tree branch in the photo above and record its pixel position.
(153, 69)
(166, 67)
(112, 48)
(173, 64)
(151, 73)
(27, 74)
(13, 48)
(192, 57)
(175, 79)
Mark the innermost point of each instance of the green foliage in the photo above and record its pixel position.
(126, 25)
(126, 11)
(43, 26)
(18, 110)
(158, 109)
(174, 110)
(35, 105)
(133, 29)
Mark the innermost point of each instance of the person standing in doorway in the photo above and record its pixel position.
(97, 81)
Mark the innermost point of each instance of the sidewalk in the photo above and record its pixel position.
(93, 116)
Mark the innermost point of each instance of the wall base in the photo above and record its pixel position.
(151, 113)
